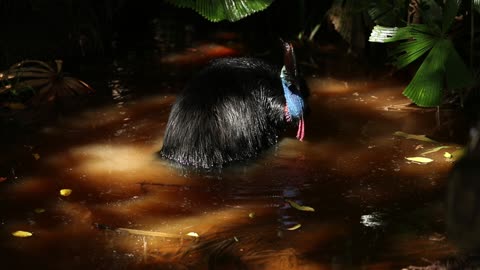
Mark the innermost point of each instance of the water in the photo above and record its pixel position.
(373, 208)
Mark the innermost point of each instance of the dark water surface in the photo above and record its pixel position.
(373, 208)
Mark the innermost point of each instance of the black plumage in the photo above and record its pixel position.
(232, 110)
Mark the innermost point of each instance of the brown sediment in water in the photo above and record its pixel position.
(350, 168)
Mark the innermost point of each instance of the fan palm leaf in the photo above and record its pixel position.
(219, 10)
(47, 81)
(442, 67)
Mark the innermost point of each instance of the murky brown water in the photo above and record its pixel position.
(373, 209)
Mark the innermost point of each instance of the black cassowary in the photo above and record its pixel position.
(233, 109)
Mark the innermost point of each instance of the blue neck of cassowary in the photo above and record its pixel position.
(295, 102)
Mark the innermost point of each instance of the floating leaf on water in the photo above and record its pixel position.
(458, 153)
(251, 214)
(39, 210)
(423, 160)
(65, 192)
(36, 156)
(436, 149)
(422, 138)
(448, 155)
(300, 207)
(236, 239)
(295, 227)
(22, 234)
(193, 234)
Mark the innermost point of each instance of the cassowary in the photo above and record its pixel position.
(232, 110)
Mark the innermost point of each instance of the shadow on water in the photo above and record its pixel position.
(373, 209)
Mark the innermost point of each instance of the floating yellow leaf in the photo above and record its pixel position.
(423, 160)
(251, 214)
(193, 234)
(436, 149)
(294, 227)
(36, 156)
(22, 234)
(300, 207)
(447, 155)
(65, 192)
(458, 153)
(422, 138)
(39, 210)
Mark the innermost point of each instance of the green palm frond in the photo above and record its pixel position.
(442, 68)
(426, 87)
(219, 10)
(417, 39)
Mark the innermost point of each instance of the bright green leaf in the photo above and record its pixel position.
(427, 87)
(218, 10)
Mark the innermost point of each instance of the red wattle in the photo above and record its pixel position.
(301, 129)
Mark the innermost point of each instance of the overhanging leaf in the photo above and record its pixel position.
(417, 39)
(219, 10)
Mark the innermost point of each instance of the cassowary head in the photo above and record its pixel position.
(295, 105)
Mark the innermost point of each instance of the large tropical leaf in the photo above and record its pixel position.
(219, 10)
(46, 81)
(441, 69)
(426, 87)
(417, 39)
